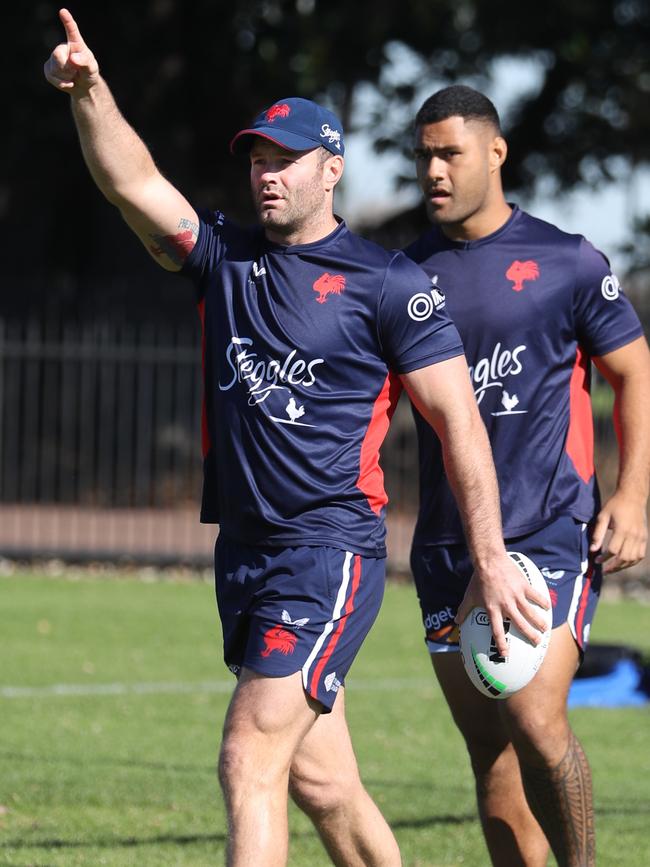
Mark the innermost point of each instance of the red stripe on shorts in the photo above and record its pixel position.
(582, 605)
(349, 607)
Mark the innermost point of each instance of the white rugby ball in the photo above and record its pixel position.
(492, 674)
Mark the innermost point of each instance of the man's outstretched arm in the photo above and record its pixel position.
(443, 395)
(116, 156)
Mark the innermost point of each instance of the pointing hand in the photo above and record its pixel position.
(72, 65)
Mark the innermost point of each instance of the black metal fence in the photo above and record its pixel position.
(100, 453)
(99, 444)
(98, 415)
(100, 450)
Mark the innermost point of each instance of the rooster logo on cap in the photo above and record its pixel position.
(281, 109)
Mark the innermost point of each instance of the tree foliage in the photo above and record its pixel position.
(189, 75)
(591, 106)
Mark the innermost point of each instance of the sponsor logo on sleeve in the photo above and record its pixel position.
(421, 305)
(610, 288)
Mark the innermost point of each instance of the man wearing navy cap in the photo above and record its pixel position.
(309, 334)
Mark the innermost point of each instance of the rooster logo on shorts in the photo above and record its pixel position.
(277, 638)
(520, 271)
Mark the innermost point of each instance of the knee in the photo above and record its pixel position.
(486, 747)
(318, 793)
(241, 768)
(540, 737)
(231, 767)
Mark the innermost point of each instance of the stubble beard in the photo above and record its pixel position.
(301, 208)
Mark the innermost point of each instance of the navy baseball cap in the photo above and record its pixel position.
(295, 124)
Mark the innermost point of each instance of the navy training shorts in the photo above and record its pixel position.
(561, 552)
(304, 609)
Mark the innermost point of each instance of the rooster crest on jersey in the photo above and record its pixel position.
(520, 271)
(328, 284)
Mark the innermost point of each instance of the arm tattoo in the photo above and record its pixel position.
(561, 800)
(176, 247)
(184, 223)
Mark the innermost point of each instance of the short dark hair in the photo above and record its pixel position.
(323, 155)
(458, 100)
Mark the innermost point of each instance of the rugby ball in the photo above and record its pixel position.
(493, 675)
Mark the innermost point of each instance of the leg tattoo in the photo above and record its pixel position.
(560, 798)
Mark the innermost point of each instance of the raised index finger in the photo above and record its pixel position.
(72, 34)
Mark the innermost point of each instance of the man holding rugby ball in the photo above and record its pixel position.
(535, 307)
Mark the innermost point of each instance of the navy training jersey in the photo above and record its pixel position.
(301, 347)
(532, 304)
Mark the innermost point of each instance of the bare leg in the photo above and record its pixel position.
(266, 721)
(512, 834)
(554, 768)
(325, 784)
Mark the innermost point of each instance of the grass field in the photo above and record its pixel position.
(112, 694)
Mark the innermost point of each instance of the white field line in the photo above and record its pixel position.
(61, 690)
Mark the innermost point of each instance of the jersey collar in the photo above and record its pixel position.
(486, 239)
(314, 246)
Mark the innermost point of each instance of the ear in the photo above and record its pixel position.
(332, 171)
(498, 152)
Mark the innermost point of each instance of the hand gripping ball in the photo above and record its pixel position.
(493, 675)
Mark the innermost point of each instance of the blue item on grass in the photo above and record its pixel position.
(621, 687)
